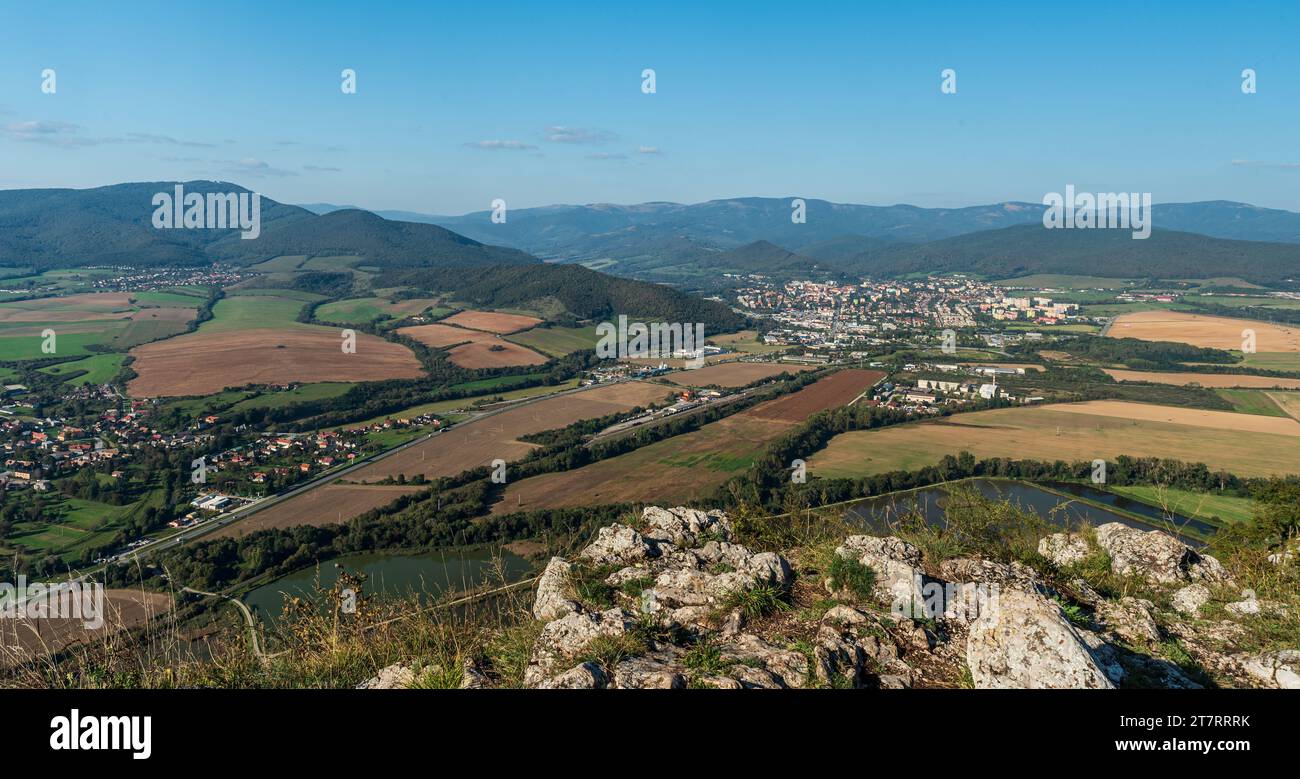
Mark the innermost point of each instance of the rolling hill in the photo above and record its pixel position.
(52, 228)
(1030, 249)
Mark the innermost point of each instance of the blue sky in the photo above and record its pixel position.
(833, 100)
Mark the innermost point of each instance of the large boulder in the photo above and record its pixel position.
(1026, 643)
(1157, 557)
(619, 545)
(1131, 619)
(395, 677)
(1279, 669)
(896, 563)
(564, 638)
(552, 600)
(1189, 600)
(691, 596)
(684, 526)
(1064, 549)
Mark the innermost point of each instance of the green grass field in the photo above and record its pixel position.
(557, 341)
(66, 344)
(250, 312)
(746, 342)
(1273, 361)
(325, 389)
(280, 264)
(333, 263)
(99, 369)
(1238, 302)
(80, 524)
(441, 407)
(1247, 401)
(1197, 505)
(161, 298)
(1060, 281)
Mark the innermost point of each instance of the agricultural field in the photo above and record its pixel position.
(689, 466)
(476, 350)
(85, 323)
(493, 321)
(123, 610)
(72, 525)
(332, 503)
(300, 394)
(1204, 379)
(1206, 331)
(734, 374)
(458, 449)
(1244, 444)
(1197, 505)
(1237, 301)
(357, 311)
(254, 339)
(746, 342)
(98, 369)
(282, 264)
(444, 407)
(1246, 401)
(1061, 281)
(557, 341)
(1288, 402)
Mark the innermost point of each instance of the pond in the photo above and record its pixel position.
(422, 574)
(878, 513)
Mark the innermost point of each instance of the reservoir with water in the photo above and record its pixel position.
(877, 514)
(425, 575)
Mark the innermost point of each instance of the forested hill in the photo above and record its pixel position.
(1029, 249)
(113, 225)
(583, 293)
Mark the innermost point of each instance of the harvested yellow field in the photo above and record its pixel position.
(1245, 444)
(1149, 412)
(1205, 379)
(1215, 332)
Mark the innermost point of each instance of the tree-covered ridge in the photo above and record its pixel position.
(584, 293)
(113, 225)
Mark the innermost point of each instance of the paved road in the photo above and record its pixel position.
(224, 520)
(248, 618)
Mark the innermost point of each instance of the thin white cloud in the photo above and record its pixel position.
(250, 166)
(322, 169)
(494, 145)
(68, 135)
(648, 150)
(606, 156)
(562, 134)
(1266, 164)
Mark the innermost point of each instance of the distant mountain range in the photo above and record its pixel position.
(48, 228)
(691, 244)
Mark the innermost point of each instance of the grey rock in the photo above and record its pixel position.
(685, 526)
(552, 600)
(565, 637)
(1026, 643)
(1064, 549)
(1189, 600)
(1280, 670)
(618, 545)
(395, 677)
(587, 676)
(1131, 619)
(1157, 557)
